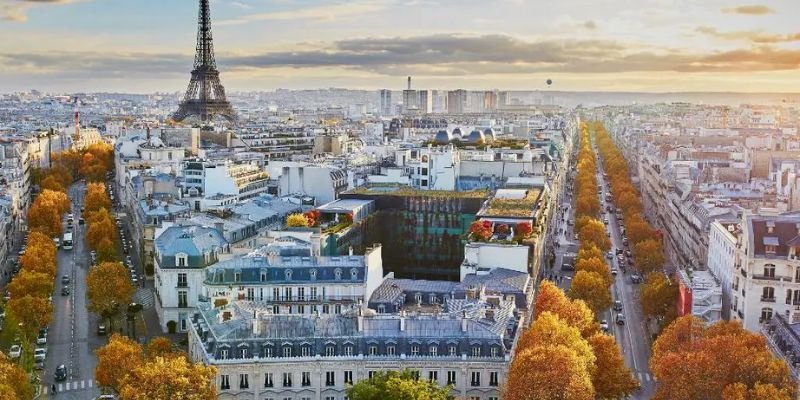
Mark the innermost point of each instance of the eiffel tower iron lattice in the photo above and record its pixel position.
(205, 96)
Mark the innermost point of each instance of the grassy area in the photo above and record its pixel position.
(399, 190)
(513, 207)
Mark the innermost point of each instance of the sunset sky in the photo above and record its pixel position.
(611, 45)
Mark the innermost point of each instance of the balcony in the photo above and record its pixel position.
(768, 299)
(777, 278)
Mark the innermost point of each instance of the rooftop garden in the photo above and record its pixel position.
(486, 231)
(514, 144)
(400, 190)
(523, 208)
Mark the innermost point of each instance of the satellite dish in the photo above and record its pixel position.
(549, 82)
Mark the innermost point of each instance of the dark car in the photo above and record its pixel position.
(81, 221)
(636, 278)
(567, 267)
(61, 373)
(101, 330)
(620, 319)
(65, 291)
(65, 279)
(617, 305)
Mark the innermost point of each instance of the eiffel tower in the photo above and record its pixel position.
(205, 96)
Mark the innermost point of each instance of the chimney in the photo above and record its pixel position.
(256, 324)
(360, 319)
(350, 250)
(409, 83)
(402, 321)
(464, 321)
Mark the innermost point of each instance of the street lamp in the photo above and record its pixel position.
(133, 308)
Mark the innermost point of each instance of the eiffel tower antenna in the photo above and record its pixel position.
(205, 96)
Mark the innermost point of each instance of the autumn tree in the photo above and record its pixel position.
(31, 283)
(297, 221)
(549, 328)
(648, 255)
(658, 295)
(44, 219)
(173, 378)
(548, 372)
(740, 391)
(14, 382)
(115, 360)
(396, 385)
(591, 288)
(611, 378)
(596, 265)
(589, 250)
(96, 198)
(108, 290)
(51, 183)
(161, 347)
(595, 232)
(101, 227)
(573, 312)
(31, 312)
(40, 258)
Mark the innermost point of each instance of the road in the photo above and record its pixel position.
(71, 341)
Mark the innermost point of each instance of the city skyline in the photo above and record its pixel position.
(147, 46)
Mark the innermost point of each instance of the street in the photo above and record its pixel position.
(631, 336)
(71, 341)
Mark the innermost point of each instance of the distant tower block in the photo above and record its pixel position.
(205, 96)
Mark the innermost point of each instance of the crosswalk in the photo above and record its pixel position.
(145, 297)
(645, 377)
(69, 386)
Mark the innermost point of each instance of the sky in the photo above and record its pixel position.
(144, 46)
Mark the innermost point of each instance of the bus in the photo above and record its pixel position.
(66, 243)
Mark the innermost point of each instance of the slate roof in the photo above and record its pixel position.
(785, 230)
(192, 240)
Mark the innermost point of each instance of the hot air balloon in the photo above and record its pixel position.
(549, 82)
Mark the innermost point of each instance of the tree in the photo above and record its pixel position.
(591, 288)
(397, 385)
(297, 221)
(108, 290)
(548, 372)
(172, 378)
(549, 329)
(658, 295)
(39, 258)
(51, 183)
(596, 265)
(43, 219)
(573, 312)
(740, 391)
(106, 252)
(116, 360)
(595, 232)
(161, 347)
(31, 283)
(648, 255)
(96, 198)
(14, 382)
(611, 378)
(589, 250)
(31, 312)
(101, 227)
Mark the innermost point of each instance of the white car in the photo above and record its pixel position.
(39, 354)
(604, 325)
(15, 351)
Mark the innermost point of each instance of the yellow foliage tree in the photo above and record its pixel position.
(548, 372)
(550, 329)
(594, 232)
(648, 255)
(31, 283)
(573, 312)
(14, 382)
(611, 378)
(32, 313)
(297, 221)
(115, 360)
(172, 378)
(591, 288)
(96, 198)
(596, 265)
(108, 290)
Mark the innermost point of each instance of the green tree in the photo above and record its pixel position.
(394, 385)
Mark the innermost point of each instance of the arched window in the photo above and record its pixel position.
(313, 274)
(354, 274)
(337, 273)
(288, 274)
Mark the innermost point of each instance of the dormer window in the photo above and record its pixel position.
(288, 274)
(313, 274)
(181, 260)
(354, 274)
(337, 274)
(263, 276)
(237, 276)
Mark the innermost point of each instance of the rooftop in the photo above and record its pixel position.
(512, 203)
(399, 190)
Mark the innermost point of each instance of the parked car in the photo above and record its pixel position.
(65, 279)
(61, 373)
(81, 221)
(610, 255)
(617, 305)
(39, 354)
(101, 330)
(15, 351)
(65, 291)
(42, 338)
(604, 325)
(636, 278)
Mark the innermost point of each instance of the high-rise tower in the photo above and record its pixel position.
(205, 96)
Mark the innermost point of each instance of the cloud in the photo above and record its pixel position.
(590, 25)
(758, 37)
(239, 4)
(328, 12)
(441, 55)
(16, 10)
(749, 10)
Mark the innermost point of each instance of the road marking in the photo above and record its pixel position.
(70, 386)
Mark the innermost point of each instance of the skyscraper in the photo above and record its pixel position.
(386, 102)
(456, 101)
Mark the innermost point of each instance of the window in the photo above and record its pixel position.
(243, 353)
(180, 259)
(305, 351)
(451, 378)
(414, 349)
(370, 374)
(769, 270)
(382, 308)
(306, 380)
(301, 294)
(337, 308)
(237, 276)
(313, 274)
(224, 382)
(348, 377)
(476, 351)
(330, 398)
(354, 274)
(390, 350)
(244, 382)
(276, 309)
(415, 374)
(182, 280)
(330, 350)
(452, 350)
(313, 294)
(251, 294)
(424, 182)
(424, 172)
(494, 351)
(288, 274)
(492, 378)
(348, 350)
(433, 350)
(267, 351)
(223, 354)
(768, 294)
(268, 380)
(263, 276)
(287, 379)
(372, 350)
(326, 309)
(287, 351)
(493, 398)
(337, 274)
(433, 376)
(330, 378)
(183, 300)
(475, 379)
(766, 314)
(287, 293)
(418, 298)
(301, 309)
(276, 294)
